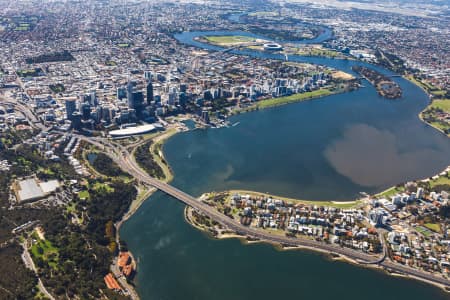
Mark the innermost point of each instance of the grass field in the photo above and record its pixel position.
(433, 227)
(104, 186)
(425, 231)
(337, 204)
(439, 93)
(28, 72)
(441, 126)
(431, 116)
(83, 195)
(45, 250)
(427, 87)
(440, 181)
(441, 104)
(391, 192)
(293, 98)
(22, 28)
(319, 52)
(228, 40)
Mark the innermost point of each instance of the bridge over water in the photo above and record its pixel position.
(126, 161)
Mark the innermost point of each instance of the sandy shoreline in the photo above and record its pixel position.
(342, 204)
(430, 101)
(142, 197)
(331, 256)
(135, 205)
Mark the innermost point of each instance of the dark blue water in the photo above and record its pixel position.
(340, 64)
(329, 148)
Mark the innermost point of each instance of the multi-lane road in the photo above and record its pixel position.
(123, 157)
(26, 111)
(126, 161)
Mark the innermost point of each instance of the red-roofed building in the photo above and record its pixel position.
(112, 283)
(124, 259)
(127, 270)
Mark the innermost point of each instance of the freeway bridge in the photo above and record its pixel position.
(126, 161)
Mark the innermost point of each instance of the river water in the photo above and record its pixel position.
(330, 148)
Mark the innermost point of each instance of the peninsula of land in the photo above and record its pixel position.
(385, 86)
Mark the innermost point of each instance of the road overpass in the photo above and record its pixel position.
(27, 112)
(125, 160)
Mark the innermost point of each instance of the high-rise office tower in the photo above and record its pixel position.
(93, 98)
(148, 75)
(205, 116)
(137, 99)
(76, 120)
(86, 111)
(71, 107)
(121, 93)
(149, 91)
(182, 99)
(130, 87)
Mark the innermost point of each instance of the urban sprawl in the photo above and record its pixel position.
(89, 91)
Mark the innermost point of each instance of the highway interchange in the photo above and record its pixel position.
(124, 158)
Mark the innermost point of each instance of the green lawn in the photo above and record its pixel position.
(99, 185)
(83, 195)
(343, 204)
(427, 86)
(433, 226)
(71, 207)
(22, 28)
(111, 63)
(441, 125)
(422, 84)
(49, 252)
(27, 72)
(318, 52)
(425, 231)
(46, 171)
(441, 104)
(442, 180)
(391, 192)
(228, 39)
(439, 92)
(293, 98)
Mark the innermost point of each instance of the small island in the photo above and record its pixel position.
(385, 86)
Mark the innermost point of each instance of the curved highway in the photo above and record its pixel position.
(126, 161)
(232, 224)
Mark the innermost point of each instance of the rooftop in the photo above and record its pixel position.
(31, 189)
(133, 130)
